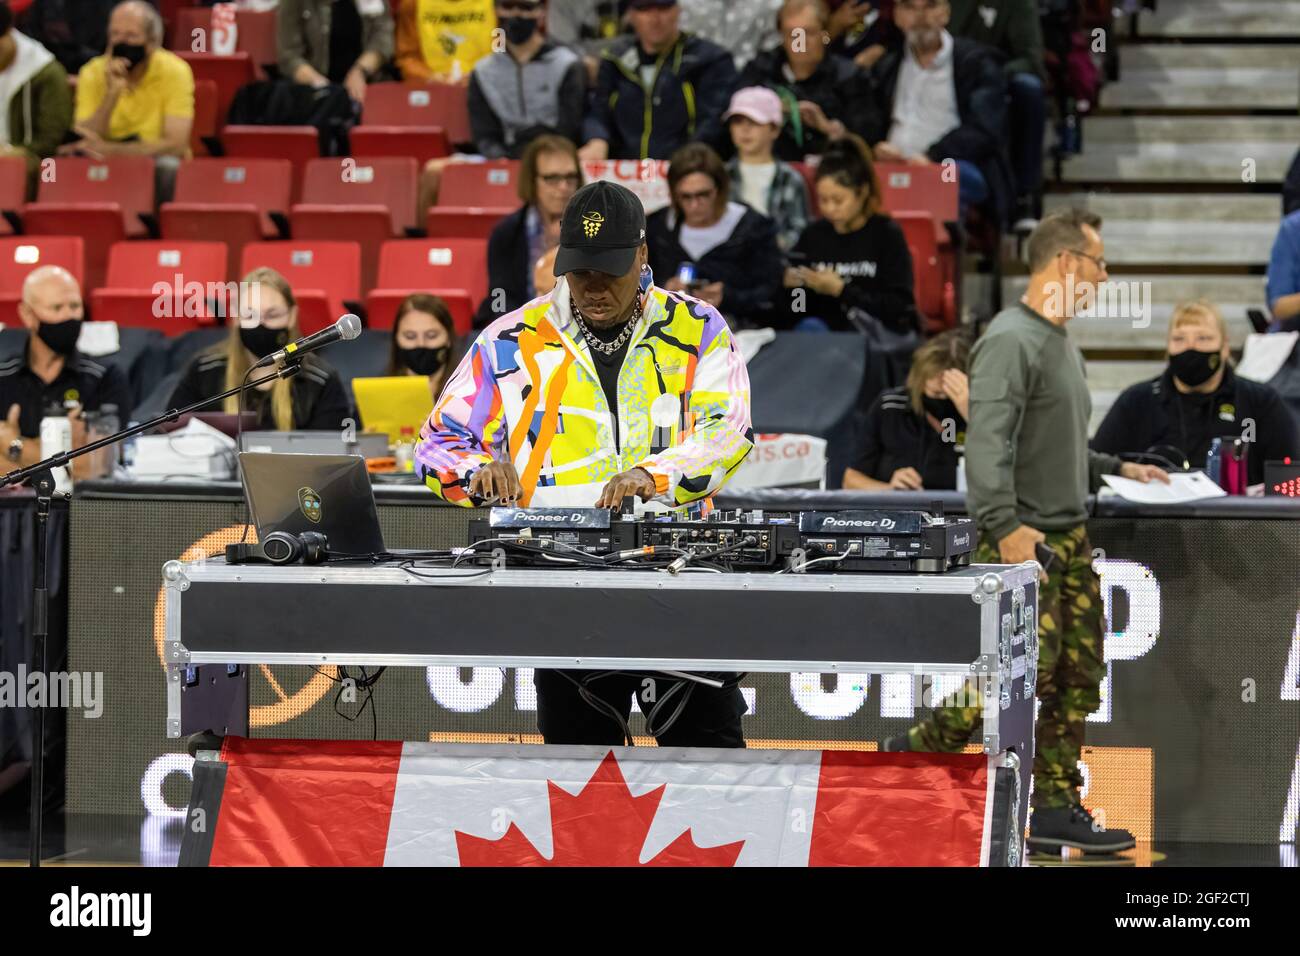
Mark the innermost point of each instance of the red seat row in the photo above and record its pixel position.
(176, 286)
(245, 200)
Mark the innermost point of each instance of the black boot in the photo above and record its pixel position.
(1073, 826)
(898, 744)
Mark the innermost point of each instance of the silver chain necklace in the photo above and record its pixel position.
(608, 348)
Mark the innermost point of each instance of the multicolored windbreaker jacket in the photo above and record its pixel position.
(527, 388)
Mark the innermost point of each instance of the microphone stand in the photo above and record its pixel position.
(41, 475)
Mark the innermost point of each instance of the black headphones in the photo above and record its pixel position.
(282, 547)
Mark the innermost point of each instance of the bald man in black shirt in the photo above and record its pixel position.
(50, 372)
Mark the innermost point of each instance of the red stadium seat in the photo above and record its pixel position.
(490, 184)
(370, 201)
(13, 190)
(325, 276)
(298, 144)
(929, 191)
(421, 143)
(228, 199)
(255, 33)
(435, 264)
(907, 188)
(463, 222)
(206, 121)
(127, 181)
(433, 104)
(936, 294)
(19, 255)
(228, 72)
(381, 307)
(170, 286)
(99, 225)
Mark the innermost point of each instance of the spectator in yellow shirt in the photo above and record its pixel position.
(442, 39)
(137, 99)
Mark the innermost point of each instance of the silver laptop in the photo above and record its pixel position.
(330, 442)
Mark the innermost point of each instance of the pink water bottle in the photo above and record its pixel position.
(1233, 472)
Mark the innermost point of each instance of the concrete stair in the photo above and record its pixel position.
(1195, 76)
(1183, 228)
(1221, 19)
(1176, 149)
(1147, 329)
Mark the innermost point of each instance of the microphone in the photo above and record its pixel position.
(347, 327)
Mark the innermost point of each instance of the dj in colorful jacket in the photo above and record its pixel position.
(528, 389)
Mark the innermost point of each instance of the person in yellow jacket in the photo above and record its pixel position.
(443, 39)
(608, 387)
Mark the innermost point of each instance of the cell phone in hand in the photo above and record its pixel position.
(1046, 556)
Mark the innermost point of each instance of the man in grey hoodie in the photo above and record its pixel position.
(35, 99)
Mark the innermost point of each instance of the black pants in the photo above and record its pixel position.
(711, 717)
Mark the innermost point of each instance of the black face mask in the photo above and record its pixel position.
(941, 408)
(262, 341)
(60, 336)
(1195, 368)
(133, 53)
(424, 361)
(519, 29)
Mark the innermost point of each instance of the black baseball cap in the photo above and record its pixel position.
(602, 228)
(646, 4)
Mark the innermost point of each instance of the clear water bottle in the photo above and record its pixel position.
(405, 450)
(1214, 461)
(961, 471)
(56, 438)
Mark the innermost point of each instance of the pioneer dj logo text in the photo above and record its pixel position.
(530, 516)
(76, 909)
(884, 524)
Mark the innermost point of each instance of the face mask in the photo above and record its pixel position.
(60, 336)
(519, 29)
(262, 341)
(423, 361)
(941, 408)
(133, 53)
(1195, 368)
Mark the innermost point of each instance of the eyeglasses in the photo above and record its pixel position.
(705, 195)
(1097, 260)
(561, 179)
(520, 6)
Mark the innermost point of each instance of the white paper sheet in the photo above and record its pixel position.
(1265, 354)
(1182, 487)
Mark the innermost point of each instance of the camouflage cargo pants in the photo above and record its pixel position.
(1070, 669)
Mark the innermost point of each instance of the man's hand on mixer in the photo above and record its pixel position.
(497, 480)
(637, 481)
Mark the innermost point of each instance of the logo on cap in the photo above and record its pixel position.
(591, 223)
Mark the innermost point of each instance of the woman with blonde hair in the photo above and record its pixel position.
(912, 432)
(1172, 419)
(264, 321)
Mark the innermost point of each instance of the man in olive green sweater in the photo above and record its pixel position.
(35, 101)
(1029, 471)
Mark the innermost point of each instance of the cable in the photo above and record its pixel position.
(808, 564)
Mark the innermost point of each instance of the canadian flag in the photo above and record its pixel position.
(347, 803)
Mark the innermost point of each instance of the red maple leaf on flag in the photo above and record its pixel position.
(603, 825)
